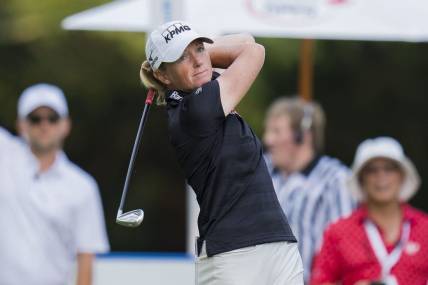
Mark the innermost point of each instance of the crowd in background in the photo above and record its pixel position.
(354, 226)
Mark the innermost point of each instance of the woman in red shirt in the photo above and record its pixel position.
(385, 240)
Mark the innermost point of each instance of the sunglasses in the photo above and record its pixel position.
(36, 119)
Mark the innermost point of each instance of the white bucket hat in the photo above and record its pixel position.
(168, 42)
(384, 147)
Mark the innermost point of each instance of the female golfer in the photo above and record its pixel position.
(244, 236)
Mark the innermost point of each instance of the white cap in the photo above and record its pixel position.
(42, 95)
(384, 147)
(168, 42)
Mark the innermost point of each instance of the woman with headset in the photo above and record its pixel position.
(244, 235)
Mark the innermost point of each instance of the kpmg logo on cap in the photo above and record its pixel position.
(173, 30)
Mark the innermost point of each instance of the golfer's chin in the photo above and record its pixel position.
(201, 79)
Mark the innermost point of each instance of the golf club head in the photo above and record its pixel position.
(130, 219)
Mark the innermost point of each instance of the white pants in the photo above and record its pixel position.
(276, 263)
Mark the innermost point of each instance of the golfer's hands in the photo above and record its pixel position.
(234, 39)
(226, 49)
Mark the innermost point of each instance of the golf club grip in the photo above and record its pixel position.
(148, 103)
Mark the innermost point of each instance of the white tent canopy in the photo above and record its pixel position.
(383, 20)
(126, 15)
(115, 16)
(395, 20)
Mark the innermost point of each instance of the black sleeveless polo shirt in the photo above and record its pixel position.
(222, 161)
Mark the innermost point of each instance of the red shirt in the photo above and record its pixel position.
(347, 256)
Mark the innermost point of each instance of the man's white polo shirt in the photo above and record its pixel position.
(45, 218)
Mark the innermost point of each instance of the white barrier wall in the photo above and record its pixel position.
(192, 211)
(144, 268)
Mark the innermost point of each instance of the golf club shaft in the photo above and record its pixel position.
(148, 103)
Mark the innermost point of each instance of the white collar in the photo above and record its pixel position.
(54, 170)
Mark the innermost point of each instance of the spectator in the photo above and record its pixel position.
(385, 240)
(311, 187)
(50, 210)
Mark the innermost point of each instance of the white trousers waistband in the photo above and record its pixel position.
(276, 263)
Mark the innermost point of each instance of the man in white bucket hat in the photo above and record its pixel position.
(385, 240)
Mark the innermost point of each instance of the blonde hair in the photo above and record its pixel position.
(149, 81)
(294, 109)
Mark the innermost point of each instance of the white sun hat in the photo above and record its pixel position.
(384, 147)
(42, 95)
(168, 42)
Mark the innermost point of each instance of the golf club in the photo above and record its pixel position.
(135, 217)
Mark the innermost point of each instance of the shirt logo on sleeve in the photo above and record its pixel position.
(233, 112)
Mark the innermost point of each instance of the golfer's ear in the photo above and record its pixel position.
(162, 76)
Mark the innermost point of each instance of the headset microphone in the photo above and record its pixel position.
(305, 123)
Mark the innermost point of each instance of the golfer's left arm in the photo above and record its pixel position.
(84, 268)
(243, 59)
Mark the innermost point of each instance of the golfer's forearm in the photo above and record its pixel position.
(84, 269)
